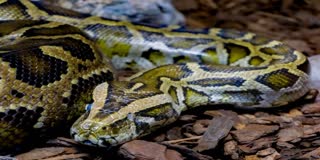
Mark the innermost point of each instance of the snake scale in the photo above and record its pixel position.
(54, 60)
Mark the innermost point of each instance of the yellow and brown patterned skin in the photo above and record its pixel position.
(45, 80)
(261, 72)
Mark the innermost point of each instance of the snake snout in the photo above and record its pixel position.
(85, 132)
(90, 125)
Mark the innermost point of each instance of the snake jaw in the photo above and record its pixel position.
(85, 134)
(107, 142)
(86, 138)
(103, 137)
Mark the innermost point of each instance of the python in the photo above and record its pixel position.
(55, 61)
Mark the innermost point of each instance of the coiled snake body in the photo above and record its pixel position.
(51, 60)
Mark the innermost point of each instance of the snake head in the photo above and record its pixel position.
(119, 115)
(102, 125)
(93, 133)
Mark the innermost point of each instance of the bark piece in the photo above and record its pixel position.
(253, 131)
(311, 108)
(288, 154)
(266, 152)
(52, 153)
(231, 149)
(315, 143)
(311, 130)
(62, 141)
(285, 145)
(219, 128)
(174, 133)
(299, 45)
(233, 115)
(251, 157)
(143, 150)
(315, 154)
(201, 126)
(160, 138)
(188, 118)
(258, 144)
(290, 134)
(273, 156)
(191, 154)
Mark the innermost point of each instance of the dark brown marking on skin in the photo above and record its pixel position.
(304, 67)
(190, 94)
(21, 117)
(253, 97)
(214, 82)
(256, 61)
(86, 86)
(159, 112)
(173, 93)
(77, 48)
(19, 7)
(230, 34)
(59, 30)
(17, 93)
(278, 79)
(116, 126)
(236, 52)
(113, 32)
(228, 69)
(280, 49)
(26, 62)
(8, 27)
(258, 40)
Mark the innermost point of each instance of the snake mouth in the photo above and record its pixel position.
(107, 142)
(86, 138)
(90, 139)
(89, 143)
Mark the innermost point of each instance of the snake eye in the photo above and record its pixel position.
(130, 116)
(88, 107)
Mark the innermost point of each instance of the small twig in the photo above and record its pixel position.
(67, 140)
(70, 156)
(279, 17)
(183, 139)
